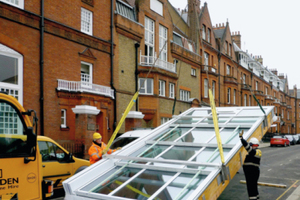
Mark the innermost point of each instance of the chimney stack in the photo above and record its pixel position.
(237, 39)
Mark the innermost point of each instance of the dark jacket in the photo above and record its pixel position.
(253, 156)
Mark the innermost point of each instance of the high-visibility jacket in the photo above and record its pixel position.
(95, 152)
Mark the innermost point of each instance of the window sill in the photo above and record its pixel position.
(64, 128)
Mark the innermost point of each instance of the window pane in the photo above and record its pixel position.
(8, 69)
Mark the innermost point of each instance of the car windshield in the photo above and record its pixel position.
(289, 136)
(278, 137)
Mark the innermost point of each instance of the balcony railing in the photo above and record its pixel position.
(230, 79)
(149, 60)
(208, 68)
(245, 87)
(276, 101)
(258, 92)
(269, 97)
(80, 86)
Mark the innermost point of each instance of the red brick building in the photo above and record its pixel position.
(56, 61)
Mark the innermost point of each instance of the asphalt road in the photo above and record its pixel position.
(279, 165)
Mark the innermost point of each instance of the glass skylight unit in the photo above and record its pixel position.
(178, 160)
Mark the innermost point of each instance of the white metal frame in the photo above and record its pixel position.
(231, 121)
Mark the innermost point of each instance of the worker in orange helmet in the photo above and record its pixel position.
(97, 148)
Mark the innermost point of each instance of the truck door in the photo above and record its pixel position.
(19, 177)
(56, 164)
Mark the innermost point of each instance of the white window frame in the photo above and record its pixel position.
(266, 90)
(203, 32)
(228, 70)
(234, 96)
(171, 90)
(63, 117)
(184, 95)
(282, 114)
(145, 87)
(149, 38)
(244, 78)
(245, 100)
(86, 20)
(206, 88)
(288, 115)
(228, 95)
(256, 85)
(162, 88)
(164, 120)
(206, 59)
(193, 71)
(163, 38)
(249, 100)
(208, 35)
(86, 78)
(15, 90)
(156, 6)
(16, 3)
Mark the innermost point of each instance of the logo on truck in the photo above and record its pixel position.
(31, 178)
(9, 182)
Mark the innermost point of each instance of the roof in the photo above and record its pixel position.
(219, 33)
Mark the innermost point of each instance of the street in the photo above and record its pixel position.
(279, 165)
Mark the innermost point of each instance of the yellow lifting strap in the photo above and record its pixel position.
(131, 103)
(216, 125)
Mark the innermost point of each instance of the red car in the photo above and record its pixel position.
(279, 140)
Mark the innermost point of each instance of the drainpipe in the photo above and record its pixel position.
(42, 27)
(219, 66)
(112, 63)
(136, 45)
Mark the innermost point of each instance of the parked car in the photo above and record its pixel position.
(57, 163)
(296, 137)
(291, 139)
(279, 140)
(298, 142)
(129, 137)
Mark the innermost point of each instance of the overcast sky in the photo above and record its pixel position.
(268, 28)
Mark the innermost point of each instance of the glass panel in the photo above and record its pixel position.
(145, 185)
(173, 135)
(9, 69)
(175, 189)
(12, 138)
(180, 153)
(148, 152)
(228, 136)
(199, 135)
(210, 155)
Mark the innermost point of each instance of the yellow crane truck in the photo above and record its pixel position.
(20, 161)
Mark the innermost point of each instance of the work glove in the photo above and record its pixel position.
(119, 148)
(241, 134)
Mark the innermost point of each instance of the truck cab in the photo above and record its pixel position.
(21, 166)
(57, 163)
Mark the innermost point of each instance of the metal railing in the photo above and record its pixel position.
(269, 97)
(276, 101)
(80, 86)
(149, 60)
(209, 68)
